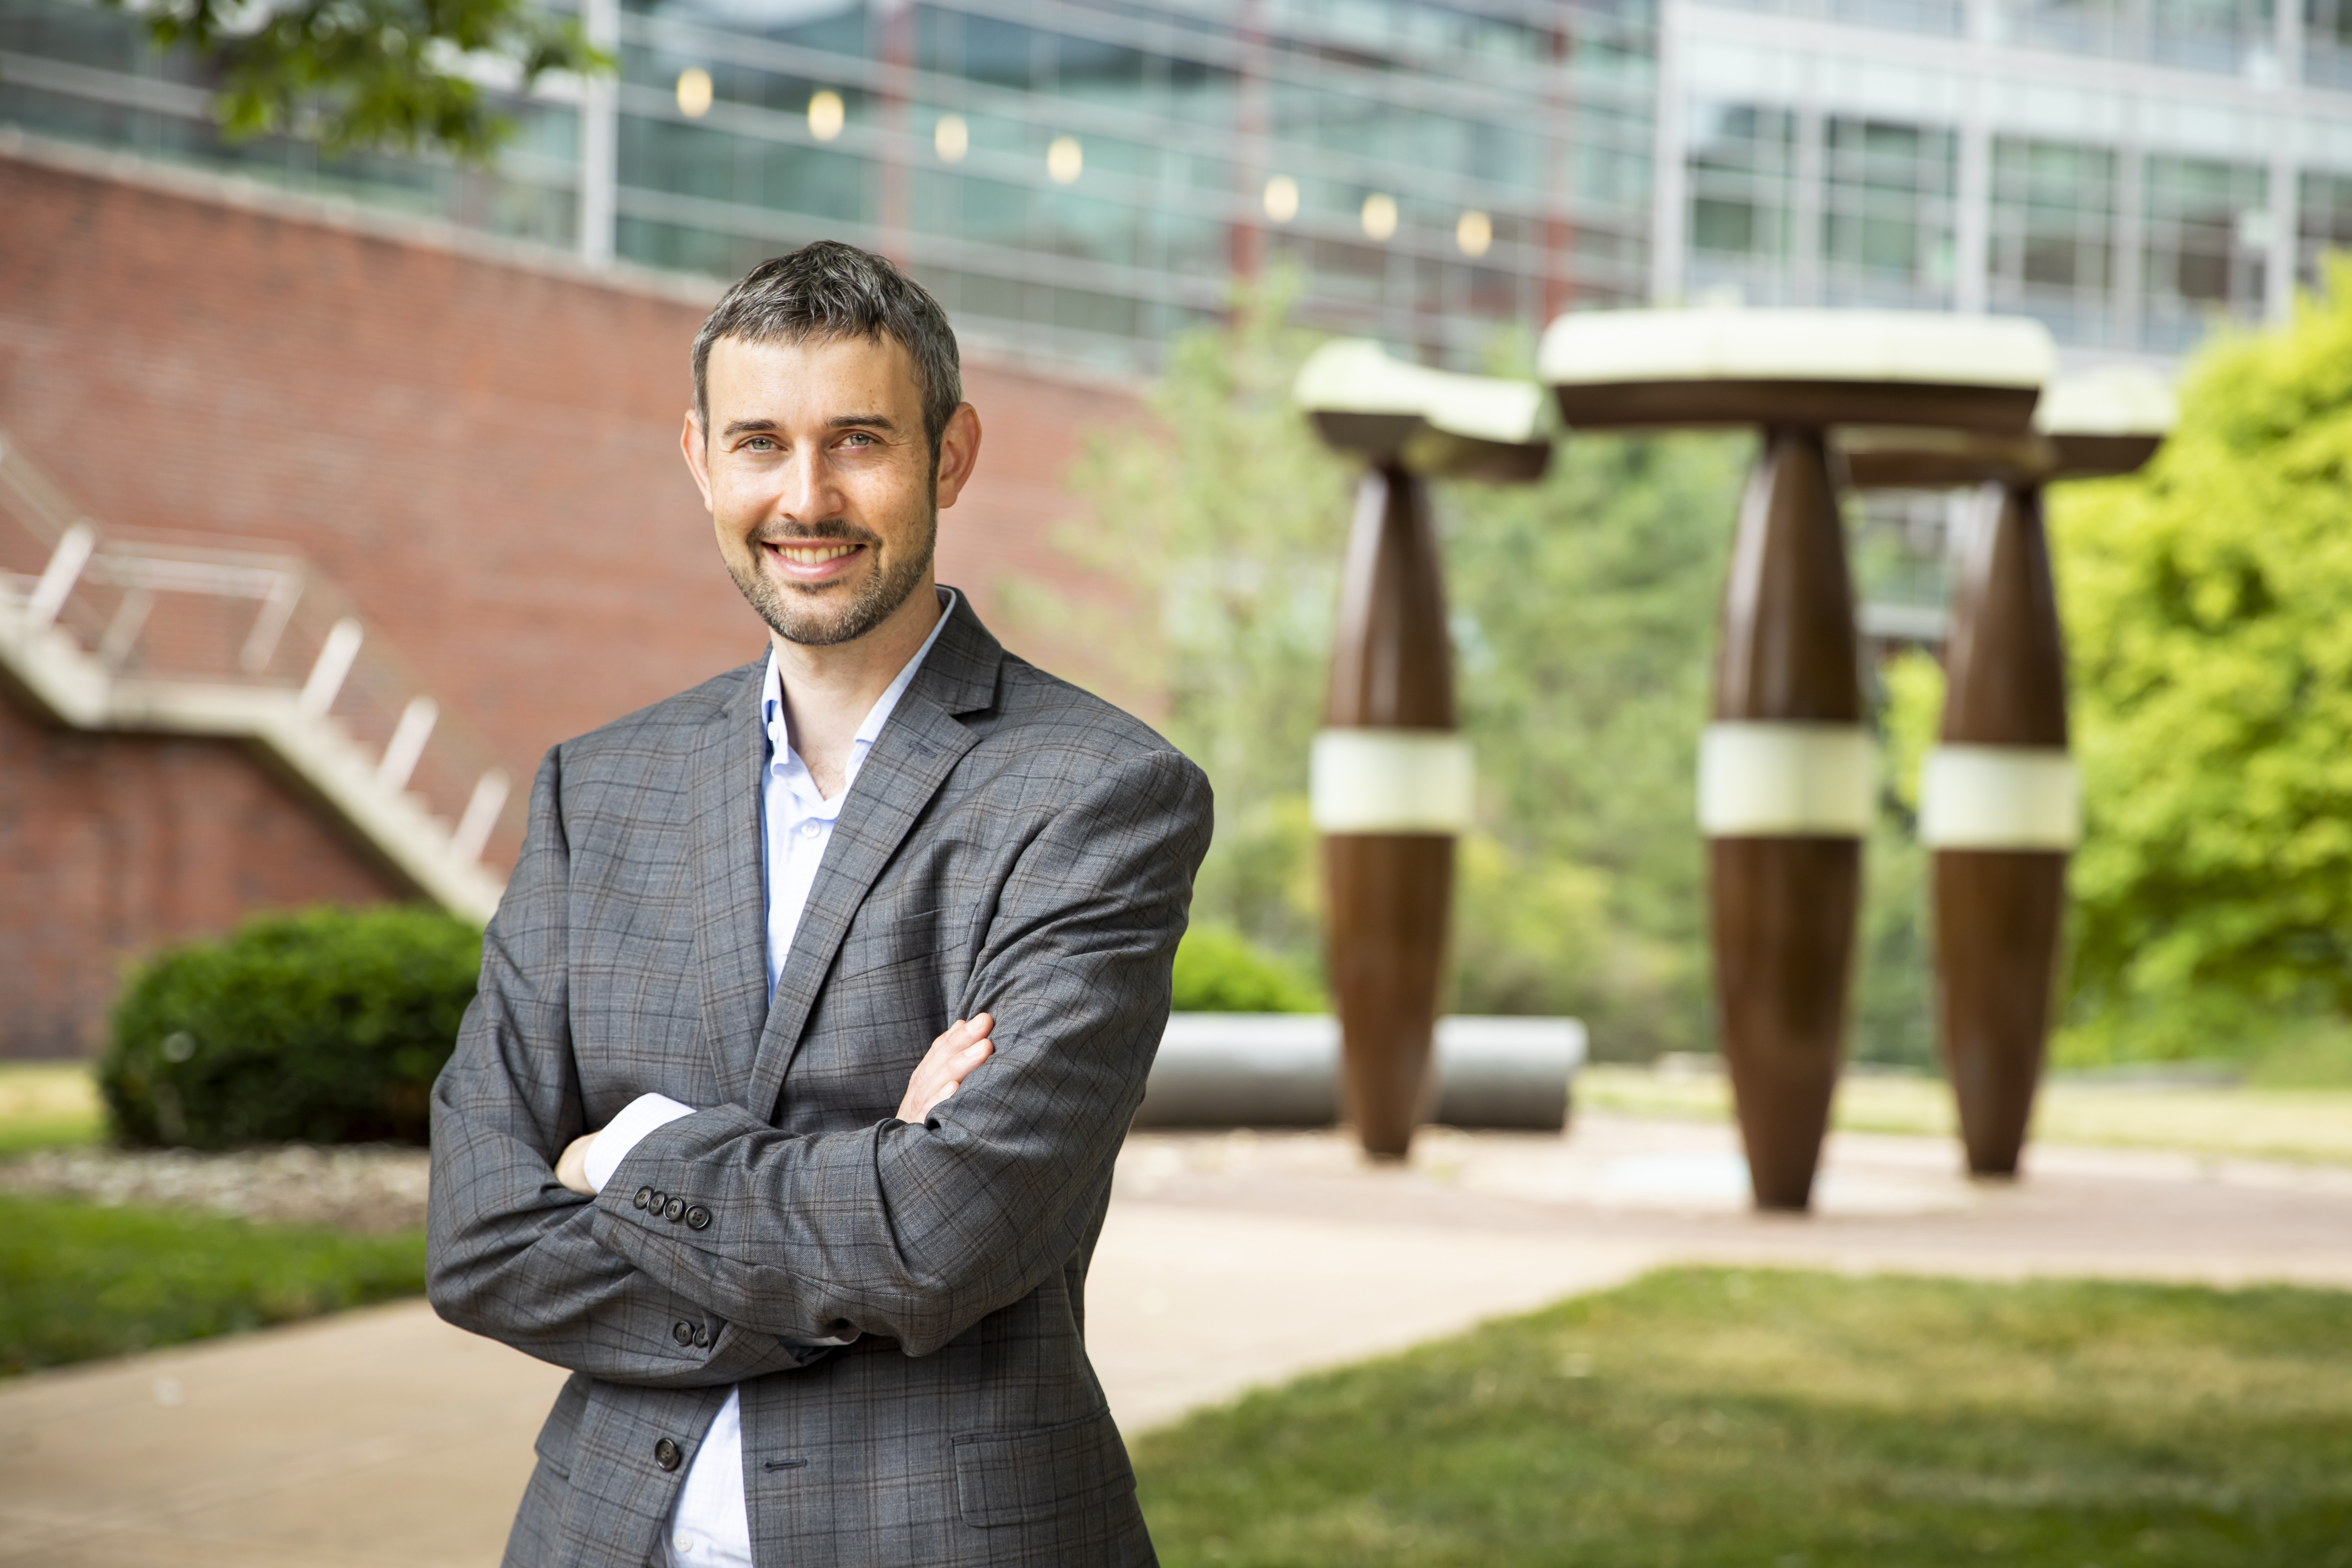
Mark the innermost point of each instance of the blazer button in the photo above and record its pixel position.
(644, 1195)
(702, 1337)
(675, 1211)
(667, 1455)
(682, 1332)
(697, 1218)
(654, 1201)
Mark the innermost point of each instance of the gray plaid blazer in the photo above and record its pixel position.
(1011, 845)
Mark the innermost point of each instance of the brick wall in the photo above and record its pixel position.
(478, 444)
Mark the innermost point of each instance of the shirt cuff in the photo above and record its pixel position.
(623, 1133)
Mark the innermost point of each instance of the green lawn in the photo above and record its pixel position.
(47, 1105)
(1710, 1417)
(78, 1282)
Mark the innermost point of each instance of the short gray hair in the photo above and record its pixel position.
(827, 290)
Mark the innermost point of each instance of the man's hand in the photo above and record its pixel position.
(572, 1170)
(953, 1055)
(964, 1047)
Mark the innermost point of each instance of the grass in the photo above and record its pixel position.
(78, 1282)
(1701, 1417)
(47, 1105)
(2308, 1125)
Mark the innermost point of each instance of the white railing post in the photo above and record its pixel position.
(57, 578)
(472, 835)
(276, 609)
(335, 656)
(123, 632)
(407, 742)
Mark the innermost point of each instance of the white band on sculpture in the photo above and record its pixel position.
(1760, 781)
(1391, 781)
(2000, 798)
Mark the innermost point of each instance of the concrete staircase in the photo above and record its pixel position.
(176, 634)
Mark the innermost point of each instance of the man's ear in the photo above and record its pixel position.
(697, 456)
(959, 453)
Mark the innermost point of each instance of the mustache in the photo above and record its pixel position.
(831, 531)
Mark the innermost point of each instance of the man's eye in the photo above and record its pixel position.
(858, 438)
(760, 444)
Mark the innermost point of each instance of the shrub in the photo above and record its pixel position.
(1217, 971)
(326, 1027)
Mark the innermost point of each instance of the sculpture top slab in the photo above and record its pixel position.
(2094, 425)
(1435, 423)
(1716, 366)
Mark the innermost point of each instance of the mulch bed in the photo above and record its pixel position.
(362, 1188)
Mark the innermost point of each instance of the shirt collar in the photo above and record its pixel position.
(772, 695)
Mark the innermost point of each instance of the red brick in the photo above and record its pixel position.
(480, 448)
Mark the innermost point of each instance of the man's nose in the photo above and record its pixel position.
(808, 492)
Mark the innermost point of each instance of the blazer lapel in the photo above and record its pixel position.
(731, 906)
(911, 758)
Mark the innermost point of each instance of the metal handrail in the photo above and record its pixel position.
(156, 618)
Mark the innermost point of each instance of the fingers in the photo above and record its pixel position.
(572, 1168)
(962, 1031)
(952, 1056)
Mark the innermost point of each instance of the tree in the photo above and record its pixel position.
(397, 74)
(1226, 518)
(2207, 603)
(1583, 614)
(1584, 611)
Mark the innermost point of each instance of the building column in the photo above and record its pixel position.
(1972, 195)
(1786, 792)
(2000, 808)
(600, 138)
(1391, 788)
(1669, 167)
(2286, 198)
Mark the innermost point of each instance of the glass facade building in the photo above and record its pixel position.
(1078, 178)
(1075, 178)
(2128, 171)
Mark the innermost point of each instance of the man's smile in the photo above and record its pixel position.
(812, 561)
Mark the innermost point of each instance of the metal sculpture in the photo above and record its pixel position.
(1999, 803)
(1392, 775)
(1787, 767)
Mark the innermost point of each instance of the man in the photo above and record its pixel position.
(717, 1135)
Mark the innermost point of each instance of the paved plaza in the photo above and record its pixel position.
(1230, 1260)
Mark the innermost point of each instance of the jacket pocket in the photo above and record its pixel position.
(559, 1436)
(1018, 1478)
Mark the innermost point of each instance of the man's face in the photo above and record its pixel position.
(820, 482)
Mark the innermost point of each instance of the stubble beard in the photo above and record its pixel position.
(802, 615)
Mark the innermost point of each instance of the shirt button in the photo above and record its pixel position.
(683, 1542)
(808, 830)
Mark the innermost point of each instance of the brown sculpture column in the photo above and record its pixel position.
(1390, 893)
(1786, 877)
(2000, 812)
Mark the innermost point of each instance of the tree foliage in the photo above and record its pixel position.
(1226, 519)
(1583, 609)
(1584, 614)
(2208, 609)
(394, 74)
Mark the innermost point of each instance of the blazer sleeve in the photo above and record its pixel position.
(509, 1251)
(918, 1232)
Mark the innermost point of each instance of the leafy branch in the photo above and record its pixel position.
(351, 74)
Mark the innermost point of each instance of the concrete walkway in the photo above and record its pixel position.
(1230, 1260)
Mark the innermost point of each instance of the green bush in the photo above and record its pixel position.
(1217, 971)
(326, 1027)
